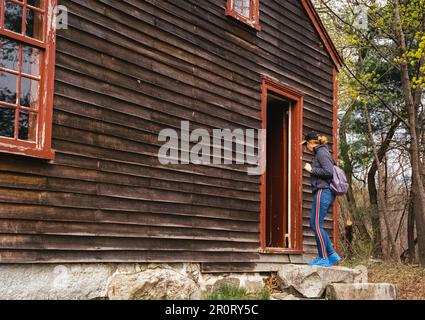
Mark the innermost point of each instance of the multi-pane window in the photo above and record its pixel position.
(26, 76)
(246, 11)
(243, 7)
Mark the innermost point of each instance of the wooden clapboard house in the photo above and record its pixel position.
(83, 99)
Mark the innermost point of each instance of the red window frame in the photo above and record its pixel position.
(296, 174)
(41, 146)
(254, 13)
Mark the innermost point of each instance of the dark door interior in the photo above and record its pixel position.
(277, 174)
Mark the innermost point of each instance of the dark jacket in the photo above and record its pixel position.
(322, 168)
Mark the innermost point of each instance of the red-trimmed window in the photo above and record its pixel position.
(27, 51)
(246, 11)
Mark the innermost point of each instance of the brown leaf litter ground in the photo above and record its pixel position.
(410, 279)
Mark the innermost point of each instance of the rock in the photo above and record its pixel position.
(197, 295)
(280, 295)
(362, 276)
(154, 284)
(51, 282)
(193, 271)
(254, 286)
(311, 281)
(361, 291)
(100, 281)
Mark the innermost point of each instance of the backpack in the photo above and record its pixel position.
(339, 184)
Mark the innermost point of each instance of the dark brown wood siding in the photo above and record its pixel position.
(126, 70)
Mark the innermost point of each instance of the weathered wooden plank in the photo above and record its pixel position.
(121, 198)
(63, 121)
(149, 96)
(233, 172)
(118, 230)
(59, 256)
(139, 78)
(166, 215)
(227, 267)
(94, 105)
(125, 174)
(48, 242)
(160, 73)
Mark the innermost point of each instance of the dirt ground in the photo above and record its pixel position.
(410, 279)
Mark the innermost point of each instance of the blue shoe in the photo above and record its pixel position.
(312, 263)
(334, 258)
(321, 262)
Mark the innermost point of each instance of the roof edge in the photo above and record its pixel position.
(323, 33)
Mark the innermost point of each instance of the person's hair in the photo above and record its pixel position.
(314, 137)
(320, 140)
(323, 140)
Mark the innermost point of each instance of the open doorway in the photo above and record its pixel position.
(281, 200)
(277, 203)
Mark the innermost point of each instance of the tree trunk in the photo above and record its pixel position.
(343, 150)
(411, 246)
(382, 208)
(418, 190)
(373, 193)
(418, 209)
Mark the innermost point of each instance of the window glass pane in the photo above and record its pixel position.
(34, 24)
(13, 17)
(30, 60)
(27, 125)
(7, 122)
(243, 7)
(9, 51)
(35, 3)
(29, 93)
(8, 84)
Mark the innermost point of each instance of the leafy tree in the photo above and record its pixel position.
(383, 45)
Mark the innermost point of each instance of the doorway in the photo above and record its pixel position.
(277, 206)
(281, 182)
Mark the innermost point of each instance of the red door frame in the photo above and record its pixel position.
(296, 97)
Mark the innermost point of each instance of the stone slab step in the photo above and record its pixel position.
(361, 291)
(311, 281)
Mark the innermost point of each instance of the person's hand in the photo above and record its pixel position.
(307, 167)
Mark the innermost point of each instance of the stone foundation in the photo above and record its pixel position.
(115, 281)
(179, 281)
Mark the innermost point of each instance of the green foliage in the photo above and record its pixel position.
(413, 17)
(372, 80)
(228, 292)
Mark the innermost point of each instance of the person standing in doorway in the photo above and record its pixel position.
(321, 171)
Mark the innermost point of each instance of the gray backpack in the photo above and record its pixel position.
(339, 184)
